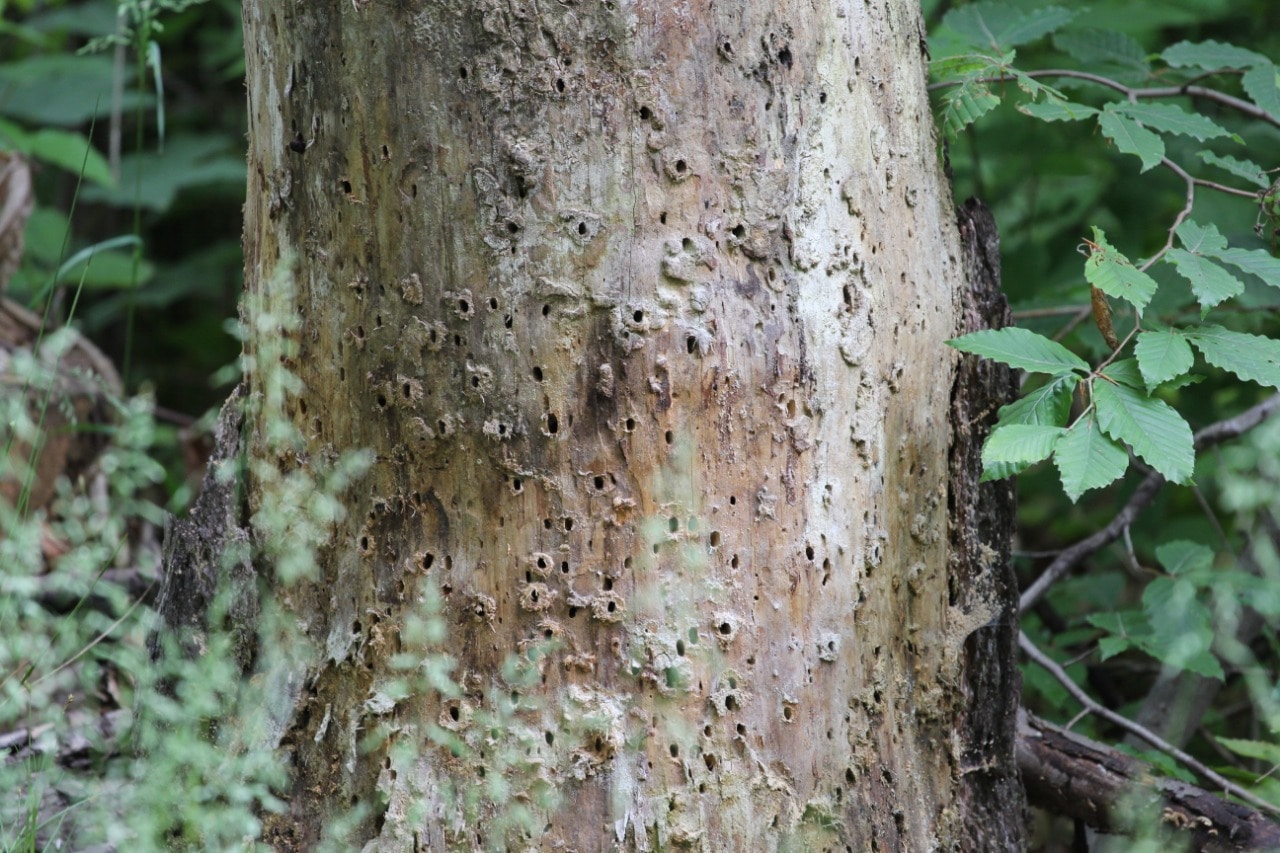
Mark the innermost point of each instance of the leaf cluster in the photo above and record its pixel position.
(1120, 405)
(1140, 136)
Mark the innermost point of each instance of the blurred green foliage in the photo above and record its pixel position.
(60, 105)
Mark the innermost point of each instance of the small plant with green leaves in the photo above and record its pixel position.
(1121, 401)
(1180, 332)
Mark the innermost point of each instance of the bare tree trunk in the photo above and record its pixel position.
(641, 306)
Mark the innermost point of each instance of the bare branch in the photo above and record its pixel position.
(1182, 214)
(1227, 429)
(1035, 313)
(1069, 558)
(1111, 791)
(1191, 182)
(1237, 104)
(1195, 766)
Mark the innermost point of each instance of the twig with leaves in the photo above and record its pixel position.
(1092, 417)
(1068, 559)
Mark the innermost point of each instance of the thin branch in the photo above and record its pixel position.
(1212, 516)
(1182, 214)
(1187, 90)
(1237, 104)
(1079, 318)
(1230, 428)
(1195, 766)
(1035, 313)
(1069, 558)
(1191, 183)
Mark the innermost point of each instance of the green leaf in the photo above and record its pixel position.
(1048, 405)
(153, 62)
(1200, 239)
(1263, 88)
(107, 269)
(188, 160)
(1197, 659)
(1181, 631)
(1254, 261)
(1127, 628)
(1210, 55)
(1126, 372)
(1181, 557)
(1210, 283)
(70, 151)
(1056, 109)
(1021, 349)
(47, 233)
(59, 89)
(1094, 47)
(1162, 356)
(1255, 749)
(962, 65)
(1000, 25)
(1087, 459)
(1183, 381)
(1262, 594)
(1132, 138)
(966, 104)
(1034, 87)
(1171, 119)
(1002, 470)
(1111, 272)
(1251, 357)
(1245, 169)
(1020, 444)
(1109, 647)
(1155, 431)
(12, 136)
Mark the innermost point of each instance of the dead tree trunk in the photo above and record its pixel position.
(641, 307)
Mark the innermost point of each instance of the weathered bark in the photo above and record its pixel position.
(982, 582)
(208, 551)
(1117, 793)
(642, 307)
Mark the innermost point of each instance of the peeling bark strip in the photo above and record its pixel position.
(1114, 792)
(983, 585)
(641, 306)
(208, 551)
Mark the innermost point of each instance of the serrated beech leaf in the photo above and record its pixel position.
(1087, 459)
(1048, 405)
(1155, 431)
(1110, 271)
(1162, 355)
(1169, 118)
(1250, 357)
(1132, 138)
(1022, 349)
(1020, 443)
(1210, 55)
